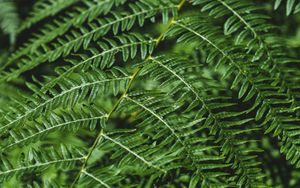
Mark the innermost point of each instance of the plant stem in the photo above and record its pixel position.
(133, 77)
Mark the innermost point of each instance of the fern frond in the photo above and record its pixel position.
(44, 9)
(77, 39)
(292, 6)
(268, 54)
(95, 178)
(9, 20)
(150, 93)
(157, 116)
(267, 96)
(173, 65)
(253, 32)
(291, 70)
(9, 93)
(62, 25)
(69, 121)
(71, 92)
(128, 44)
(133, 150)
(63, 158)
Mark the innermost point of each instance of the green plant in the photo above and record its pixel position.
(151, 93)
(9, 20)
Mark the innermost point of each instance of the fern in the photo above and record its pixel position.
(43, 9)
(150, 93)
(9, 20)
(292, 6)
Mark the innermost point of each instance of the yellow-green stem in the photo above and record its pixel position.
(115, 106)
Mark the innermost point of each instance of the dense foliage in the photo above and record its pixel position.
(149, 93)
